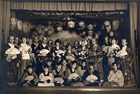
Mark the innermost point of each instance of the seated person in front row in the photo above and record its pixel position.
(58, 75)
(91, 76)
(82, 68)
(115, 78)
(73, 79)
(29, 78)
(46, 78)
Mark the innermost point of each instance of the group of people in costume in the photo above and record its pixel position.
(96, 59)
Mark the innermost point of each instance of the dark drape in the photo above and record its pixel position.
(6, 18)
(0, 40)
(0, 27)
(69, 6)
(133, 28)
(4, 33)
(138, 41)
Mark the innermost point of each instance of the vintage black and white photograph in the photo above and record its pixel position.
(58, 44)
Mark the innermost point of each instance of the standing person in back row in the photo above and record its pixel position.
(126, 59)
(12, 59)
(25, 57)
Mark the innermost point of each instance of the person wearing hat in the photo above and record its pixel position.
(115, 78)
(46, 78)
(91, 76)
(29, 78)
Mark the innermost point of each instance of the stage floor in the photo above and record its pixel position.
(68, 90)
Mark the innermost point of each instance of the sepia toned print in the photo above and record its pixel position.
(69, 44)
(69, 52)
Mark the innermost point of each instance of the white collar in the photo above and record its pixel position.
(23, 44)
(36, 43)
(11, 45)
(44, 44)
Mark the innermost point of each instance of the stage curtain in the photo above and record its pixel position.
(0, 41)
(138, 40)
(133, 29)
(6, 18)
(0, 27)
(69, 6)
